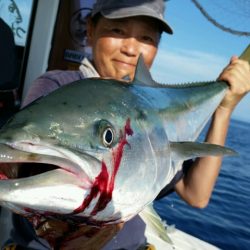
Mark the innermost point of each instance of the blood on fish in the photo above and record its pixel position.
(3, 177)
(104, 184)
(99, 186)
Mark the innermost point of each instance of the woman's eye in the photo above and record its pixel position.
(117, 31)
(148, 39)
(107, 137)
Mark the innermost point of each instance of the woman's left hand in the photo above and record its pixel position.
(237, 74)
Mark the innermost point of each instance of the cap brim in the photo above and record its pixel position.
(130, 12)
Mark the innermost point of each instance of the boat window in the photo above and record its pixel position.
(15, 21)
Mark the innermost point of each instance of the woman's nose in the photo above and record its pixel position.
(130, 46)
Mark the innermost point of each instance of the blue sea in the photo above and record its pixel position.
(225, 222)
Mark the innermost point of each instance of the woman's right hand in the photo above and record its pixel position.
(64, 236)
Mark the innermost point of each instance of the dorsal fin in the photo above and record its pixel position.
(142, 74)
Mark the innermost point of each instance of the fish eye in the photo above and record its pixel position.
(107, 137)
(106, 133)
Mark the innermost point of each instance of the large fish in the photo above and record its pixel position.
(113, 146)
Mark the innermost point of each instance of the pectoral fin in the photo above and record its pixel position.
(155, 227)
(190, 150)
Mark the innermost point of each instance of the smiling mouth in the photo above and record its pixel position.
(125, 64)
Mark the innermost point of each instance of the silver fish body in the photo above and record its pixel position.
(115, 145)
(102, 178)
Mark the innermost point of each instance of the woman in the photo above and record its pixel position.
(118, 32)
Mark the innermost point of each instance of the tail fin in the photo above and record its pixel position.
(246, 54)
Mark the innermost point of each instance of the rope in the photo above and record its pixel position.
(220, 26)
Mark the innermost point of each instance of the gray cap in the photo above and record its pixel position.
(128, 8)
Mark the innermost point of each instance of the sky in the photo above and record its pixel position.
(197, 51)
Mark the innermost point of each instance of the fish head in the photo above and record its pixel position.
(108, 156)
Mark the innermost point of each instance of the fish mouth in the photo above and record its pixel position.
(66, 183)
(24, 170)
(49, 180)
(25, 159)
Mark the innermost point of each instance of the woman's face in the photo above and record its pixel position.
(117, 44)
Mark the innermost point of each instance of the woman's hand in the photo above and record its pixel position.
(64, 236)
(237, 74)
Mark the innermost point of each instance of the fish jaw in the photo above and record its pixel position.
(59, 191)
(51, 193)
